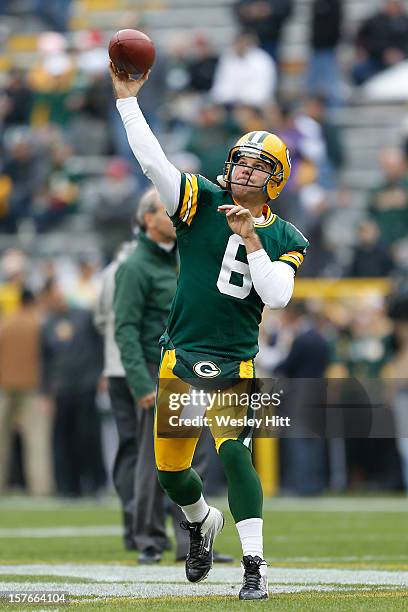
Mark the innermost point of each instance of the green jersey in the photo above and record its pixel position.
(216, 309)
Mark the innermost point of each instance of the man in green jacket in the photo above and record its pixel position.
(145, 286)
(145, 283)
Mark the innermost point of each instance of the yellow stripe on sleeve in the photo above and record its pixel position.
(297, 255)
(194, 199)
(290, 259)
(293, 258)
(187, 197)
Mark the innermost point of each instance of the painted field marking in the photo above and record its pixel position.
(61, 532)
(146, 591)
(225, 575)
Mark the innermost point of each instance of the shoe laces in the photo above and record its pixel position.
(196, 537)
(252, 575)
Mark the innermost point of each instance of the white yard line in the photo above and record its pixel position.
(27, 503)
(147, 591)
(225, 575)
(360, 558)
(61, 532)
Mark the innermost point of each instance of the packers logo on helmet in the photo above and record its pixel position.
(269, 148)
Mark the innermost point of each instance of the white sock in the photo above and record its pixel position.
(195, 513)
(250, 534)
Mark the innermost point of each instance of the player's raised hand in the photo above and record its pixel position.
(239, 219)
(123, 85)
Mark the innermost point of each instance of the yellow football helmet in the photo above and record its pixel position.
(267, 147)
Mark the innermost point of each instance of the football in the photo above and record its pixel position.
(131, 51)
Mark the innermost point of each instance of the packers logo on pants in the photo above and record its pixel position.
(206, 369)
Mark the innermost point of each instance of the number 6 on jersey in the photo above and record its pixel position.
(231, 264)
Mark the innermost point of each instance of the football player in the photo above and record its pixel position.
(236, 256)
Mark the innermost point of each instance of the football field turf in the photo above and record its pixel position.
(323, 554)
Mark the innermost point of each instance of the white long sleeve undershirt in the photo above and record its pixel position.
(148, 152)
(272, 280)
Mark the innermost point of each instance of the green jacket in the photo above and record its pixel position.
(144, 288)
(388, 207)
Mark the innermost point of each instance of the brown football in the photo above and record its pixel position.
(131, 51)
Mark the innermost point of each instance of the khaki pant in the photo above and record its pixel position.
(23, 408)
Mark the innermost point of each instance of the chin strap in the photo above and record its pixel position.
(221, 181)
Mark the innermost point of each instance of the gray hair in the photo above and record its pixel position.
(148, 203)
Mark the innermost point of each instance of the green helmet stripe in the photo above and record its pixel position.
(251, 136)
(258, 137)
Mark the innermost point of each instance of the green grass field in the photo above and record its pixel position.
(323, 554)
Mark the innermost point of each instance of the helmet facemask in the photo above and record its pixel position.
(275, 175)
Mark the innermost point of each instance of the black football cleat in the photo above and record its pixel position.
(202, 535)
(254, 586)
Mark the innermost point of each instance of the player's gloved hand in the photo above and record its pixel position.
(239, 219)
(147, 401)
(123, 85)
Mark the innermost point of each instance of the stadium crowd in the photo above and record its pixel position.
(66, 168)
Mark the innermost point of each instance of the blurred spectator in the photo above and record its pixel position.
(388, 203)
(313, 209)
(58, 197)
(24, 165)
(364, 348)
(382, 41)
(91, 107)
(265, 19)
(93, 103)
(72, 359)
(6, 187)
(209, 137)
(304, 458)
(86, 289)
(55, 13)
(16, 100)
(111, 200)
(316, 108)
(92, 55)
(306, 200)
(249, 118)
(307, 339)
(363, 331)
(319, 137)
(370, 256)
(153, 94)
(243, 64)
(20, 404)
(304, 138)
(13, 268)
(53, 81)
(323, 73)
(201, 64)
